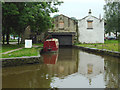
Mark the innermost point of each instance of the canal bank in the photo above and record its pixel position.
(8, 62)
(21, 57)
(99, 51)
(73, 68)
(19, 61)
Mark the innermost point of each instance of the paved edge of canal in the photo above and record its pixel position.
(99, 51)
(18, 61)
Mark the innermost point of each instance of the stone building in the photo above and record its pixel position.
(91, 29)
(35, 37)
(64, 30)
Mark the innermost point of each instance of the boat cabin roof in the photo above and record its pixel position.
(52, 39)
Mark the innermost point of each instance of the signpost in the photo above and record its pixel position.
(28, 43)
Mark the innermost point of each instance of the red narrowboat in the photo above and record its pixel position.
(51, 45)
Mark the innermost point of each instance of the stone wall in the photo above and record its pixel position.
(64, 24)
(6, 62)
(68, 24)
(36, 38)
(26, 34)
(99, 51)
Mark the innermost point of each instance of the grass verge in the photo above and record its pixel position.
(111, 45)
(23, 52)
(39, 44)
(9, 47)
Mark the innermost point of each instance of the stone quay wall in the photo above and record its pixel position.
(99, 51)
(7, 62)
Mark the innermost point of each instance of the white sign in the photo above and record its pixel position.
(28, 43)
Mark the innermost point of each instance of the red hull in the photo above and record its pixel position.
(51, 45)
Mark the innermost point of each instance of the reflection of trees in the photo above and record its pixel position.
(111, 72)
(119, 75)
(67, 63)
(39, 76)
(33, 77)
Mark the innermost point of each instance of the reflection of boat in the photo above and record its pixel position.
(50, 58)
(51, 45)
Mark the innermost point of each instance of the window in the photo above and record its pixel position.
(74, 22)
(90, 26)
(90, 68)
(57, 19)
(60, 18)
(56, 24)
(61, 25)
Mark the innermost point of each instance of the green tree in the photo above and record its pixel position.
(112, 17)
(9, 10)
(18, 15)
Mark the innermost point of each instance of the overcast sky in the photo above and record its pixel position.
(80, 8)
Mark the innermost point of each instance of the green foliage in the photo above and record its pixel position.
(112, 16)
(18, 15)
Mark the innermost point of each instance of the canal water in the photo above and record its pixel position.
(69, 68)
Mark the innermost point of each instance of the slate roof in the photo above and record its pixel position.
(65, 16)
(88, 16)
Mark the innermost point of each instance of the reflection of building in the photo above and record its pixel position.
(90, 65)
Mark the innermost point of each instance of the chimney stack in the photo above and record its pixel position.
(89, 11)
(100, 16)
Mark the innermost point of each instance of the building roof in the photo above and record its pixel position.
(62, 33)
(88, 16)
(65, 16)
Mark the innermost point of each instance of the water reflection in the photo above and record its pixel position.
(70, 68)
(111, 72)
(90, 66)
(90, 73)
(50, 58)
